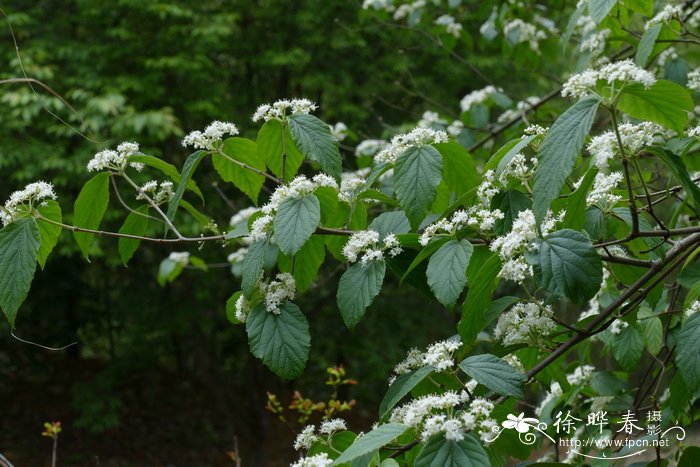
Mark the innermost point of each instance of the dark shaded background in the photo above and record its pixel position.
(159, 377)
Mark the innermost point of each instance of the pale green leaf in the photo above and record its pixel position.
(245, 152)
(136, 223)
(665, 103)
(495, 373)
(89, 208)
(49, 209)
(375, 439)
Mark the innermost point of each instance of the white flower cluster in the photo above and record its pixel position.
(378, 5)
(669, 13)
(602, 192)
(407, 10)
(331, 426)
(595, 42)
(339, 130)
(535, 130)
(435, 413)
(450, 24)
(110, 159)
(29, 195)
(402, 142)
(483, 219)
(618, 326)
(296, 188)
(159, 193)
(519, 31)
(692, 309)
(367, 244)
(669, 54)
(237, 256)
(520, 110)
(511, 246)
(211, 135)
(317, 460)
(694, 80)
(581, 375)
(351, 183)
(282, 108)
(275, 294)
(278, 291)
(430, 119)
(478, 97)
(455, 128)
(517, 168)
(439, 355)
(583, 84)
(525, 323)
(634, 137)
(242, 216)
(306, 438)
(370, 147)
(180, 257)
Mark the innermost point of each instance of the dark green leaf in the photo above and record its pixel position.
(136, 223)
(281, 341)
(575, 216)
(252, 265)
(270, 149)
(315, 140)
(495, 373)
(390, 222)
(627, 347)
(665, 103)
(688, 352)
(439, 452)
(188, 169)
(568, 265)
(50, 209)
(510, 203)
(482, 279)
(295, 221)
(244, 151)
(680, 172)
(447, 270)
(89, 208)
(375, 439)
(305, 263)
(559, 151)
(19, 249)
(459, 170)
(357, 288)
(417, 175)
(646, 44)
(168, 169)
(402, 386)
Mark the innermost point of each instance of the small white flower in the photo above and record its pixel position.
(109, 159)
(525, 323)
(664, 16)
(180, 257)
(212, 134)
(603, 185)
(317, 460)
(306, 438)
(450, 24)
(279, 291)
(617, 326)
(692, 309)
(370, 147)
(416, 138)
(477, 97)
(33, 194)
(331, 426)
(283, 108)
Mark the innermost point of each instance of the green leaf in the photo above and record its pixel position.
(627, 347)
(89, 208)
(481, 276)
(688, 352)
(387, 223)
(306, 262)
(644, 7)
(50, 209)
(244, 151)
(497, 307)
(568, 265)
(281, 341)
(495, 373)
(439, 452)
(599, 9)
(677, 167)
(510, 203)
(690, 457)
(508, 151)
(375, 439)
(199, 217)
(168, 169)
(270, 149)
(295, 221)
(357, 288)
(188, 169)
(653, 334)
(447, 270)
(168, 271)
(19, 249)
(315, 140)
(402, 386)
(459, 170)
(417, 175)
(575, 216)
(559, 151)
(646, 45)
(252, 265)
(136, 223)
(424, 254)
(665, 103)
